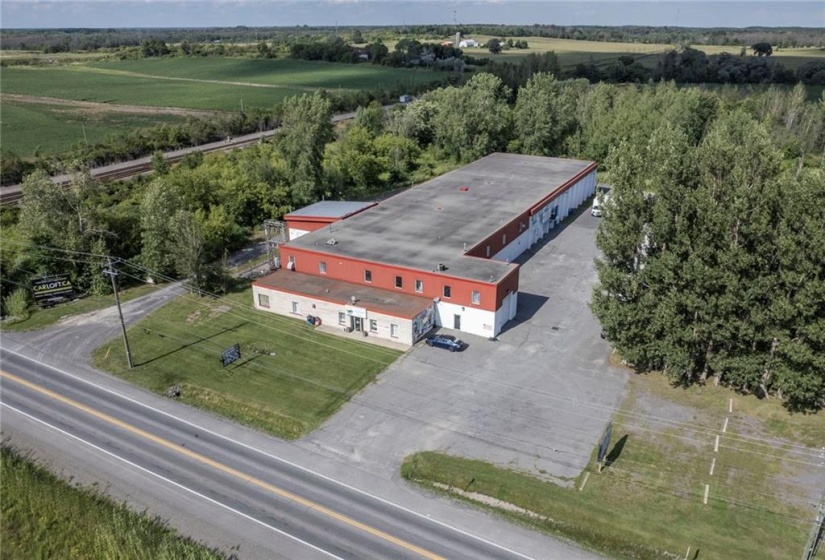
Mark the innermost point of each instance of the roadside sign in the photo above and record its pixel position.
(231, 354)
(50, 290)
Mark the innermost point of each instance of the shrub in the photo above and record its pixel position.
(17, 305)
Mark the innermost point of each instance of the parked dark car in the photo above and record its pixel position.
(445, 341)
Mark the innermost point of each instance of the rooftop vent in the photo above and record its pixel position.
(331, 241)
(353, 299)
(441, 267)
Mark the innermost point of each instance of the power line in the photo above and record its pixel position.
(603, 408)
(573, 402)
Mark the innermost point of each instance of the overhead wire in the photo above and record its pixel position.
(575, 402)
(355, 398)
(417, 419)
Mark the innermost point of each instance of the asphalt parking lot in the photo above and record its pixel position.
(537, 399)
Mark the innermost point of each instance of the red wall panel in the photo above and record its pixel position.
(383, 276)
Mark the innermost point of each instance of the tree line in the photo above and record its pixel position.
(73, 40)
(712, 248)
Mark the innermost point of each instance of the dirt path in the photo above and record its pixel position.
(107, 107)
(200, 80)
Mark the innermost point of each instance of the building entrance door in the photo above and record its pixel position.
(357, 324)
(457, 322)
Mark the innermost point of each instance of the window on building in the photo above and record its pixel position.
(447, 292)
(342, 318)
(322, 267)
(367, 276)
(394, 331)
(295, 307)
(488, 250)
(399, 283)
(419, 286)
(291, 263)
(476, 297)
(373, 325)
(263, 300)
(504, 239)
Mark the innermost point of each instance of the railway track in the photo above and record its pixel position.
(117, 171)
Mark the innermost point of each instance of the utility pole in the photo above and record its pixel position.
(111, 273)
(816, 531)
(274, 231)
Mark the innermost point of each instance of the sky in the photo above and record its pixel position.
(16, 14)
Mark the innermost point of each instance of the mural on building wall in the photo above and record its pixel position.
(423, 323)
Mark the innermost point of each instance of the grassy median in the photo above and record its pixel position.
(648, 501)
(45, 517)
(290, 377)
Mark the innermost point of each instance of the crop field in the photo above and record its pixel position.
(571, 52)
(218, 84)
(203, 84)
(28, 129)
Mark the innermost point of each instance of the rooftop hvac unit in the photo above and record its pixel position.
(441, 267)
(331, 241)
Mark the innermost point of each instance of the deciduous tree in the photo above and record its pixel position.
(305, 131)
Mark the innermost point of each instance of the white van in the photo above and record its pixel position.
(603, 194)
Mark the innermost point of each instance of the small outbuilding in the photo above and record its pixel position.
(321, 214)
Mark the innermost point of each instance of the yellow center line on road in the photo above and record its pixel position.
(224, 468)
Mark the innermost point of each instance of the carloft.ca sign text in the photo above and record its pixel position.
(52, 289)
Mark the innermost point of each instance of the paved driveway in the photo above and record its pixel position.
(538, 399)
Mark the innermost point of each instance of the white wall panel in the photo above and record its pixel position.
(281, 303)
(473, 320)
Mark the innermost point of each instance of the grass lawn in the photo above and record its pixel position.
(202, 83)
(46, 517)
(31, 128)
(649, 500)
(289, 380)
(42, 318)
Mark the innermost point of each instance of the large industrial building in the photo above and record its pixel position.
(438, 254)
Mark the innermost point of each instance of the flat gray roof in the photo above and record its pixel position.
(330, 209)
(437, 221)
(375, 299)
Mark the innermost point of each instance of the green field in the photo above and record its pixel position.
(219, 84)
(46, 517)
(28, 129)
(648, 502)
(289, 380)
(571, 52)
(204, 84)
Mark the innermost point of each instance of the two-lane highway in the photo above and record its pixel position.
(308, 515)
